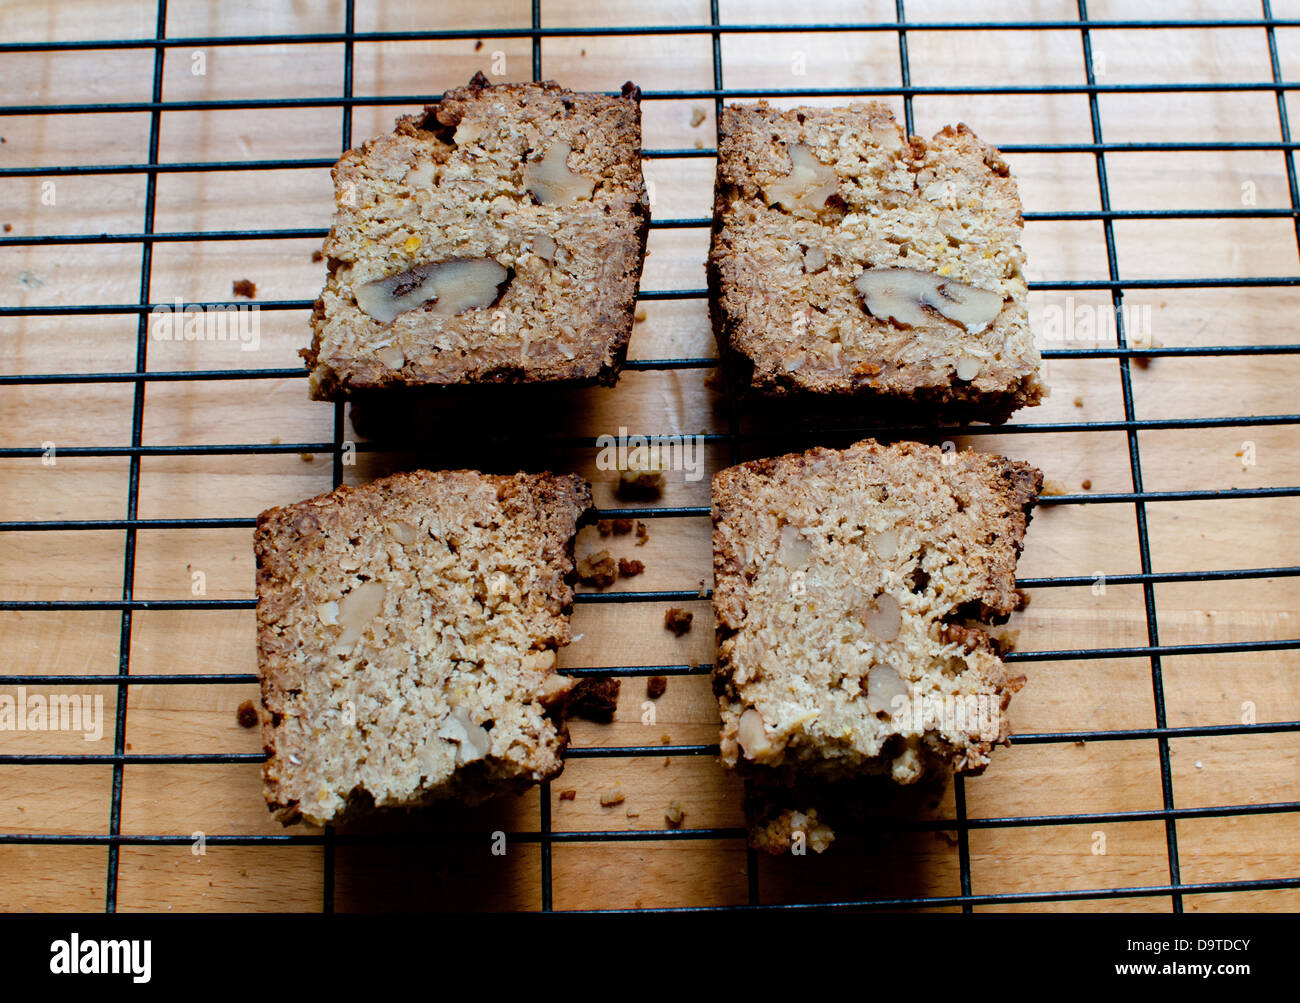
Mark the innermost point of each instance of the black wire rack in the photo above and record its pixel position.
(546, 837)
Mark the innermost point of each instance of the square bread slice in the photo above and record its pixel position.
(497, 236)
(407, 633)
(851, 588)
(850, 263)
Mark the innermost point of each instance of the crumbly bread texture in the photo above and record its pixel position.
(497, 236)
(407, 634)
(850, 591)
(849, 261)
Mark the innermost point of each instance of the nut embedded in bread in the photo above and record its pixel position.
(407, 634)
(849, 591)
(498, 236)
(849, 262)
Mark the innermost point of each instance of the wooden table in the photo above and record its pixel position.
(444, 858)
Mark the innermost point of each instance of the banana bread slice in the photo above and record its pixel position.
(850, 587)
(407, 633)
(851, 262)
(497, 236)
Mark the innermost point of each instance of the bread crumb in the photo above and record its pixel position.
(307, 457)
(568, 795)
(629, 569)
(244, 287)
(9, 228)
(1053, 488)
(655, 687)
(678, 620)
(478, 44)
(622, 527)
(674, 815)
(642, 533)
(1086, 485)
(247, 715)
(633, 814)
(1143, 361)
(699, 143)
(317, 256)
(604, 526)
(598, 569)
(595, 699)
(1078, 401)
(640, 315)
(666, 739)
(643, 477)
(612, 797)
(1005, 639)
(698, 115)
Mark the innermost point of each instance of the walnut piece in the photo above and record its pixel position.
(886, 544)
(912, 297)
(884, 686)
(814, 260)
(448, 287)
(472, 740)
(883, 617)
(391, 356)
(793, 551)
(357, 609)
(403, 532)
(752, 736)
(555, 687)
(468, 132)
(808, 185)
(550, 181)
(544, 245)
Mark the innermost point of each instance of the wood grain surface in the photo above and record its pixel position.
(442, 859)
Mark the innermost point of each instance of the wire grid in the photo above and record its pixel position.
(546, 837)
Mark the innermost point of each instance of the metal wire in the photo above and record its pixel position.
(1115, 283)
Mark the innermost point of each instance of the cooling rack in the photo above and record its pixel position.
(725, 33)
